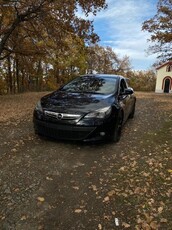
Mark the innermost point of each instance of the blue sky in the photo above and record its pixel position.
(119, 26)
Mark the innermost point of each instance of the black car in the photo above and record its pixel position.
(90, 107)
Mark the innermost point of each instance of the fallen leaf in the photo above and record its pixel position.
(146, 174)
(133, 164)
(153, 225)
(23, 218)
(2, 218)
(111, 193)
(107, 217)
(41, 199)
(99, 226)
(170, 170)
(78, 210)
(122, 169)
(106, 199)
(94, 187)
(14, 150)
(49, 178)
(125, 225)
(40, 227)
(148, 218)
(75, 187)
(160, 209)
(145, 226)
(163, 220)
(137, 190)
(139, 221)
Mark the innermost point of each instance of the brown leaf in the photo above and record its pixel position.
(100, 227)
(14, 150)
(148, 217)
(125, 225)
(153, 225)
(23, 217)
(145, 226)
(111, 193)
(41, 199)
(49, 178)
(137, 190)
(78, 210)
(160, 209)
(107, 217)
(163, 220)
(75, 187)
(122, 169)
(94, 187)
(106, 199)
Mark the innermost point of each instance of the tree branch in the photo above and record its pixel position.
(31, 13)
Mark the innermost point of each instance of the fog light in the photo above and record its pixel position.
(102, 134)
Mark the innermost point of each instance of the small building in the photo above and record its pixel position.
(164, 78)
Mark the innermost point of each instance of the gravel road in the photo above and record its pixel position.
(49, 185)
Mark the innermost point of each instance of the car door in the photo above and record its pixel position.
(124, 100)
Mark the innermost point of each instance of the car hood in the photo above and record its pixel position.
(78, 103)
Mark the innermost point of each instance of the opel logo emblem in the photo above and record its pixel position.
(59, 116)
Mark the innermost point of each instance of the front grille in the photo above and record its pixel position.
(62, 116)
(65, 132)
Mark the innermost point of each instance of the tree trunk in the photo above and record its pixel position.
(17, 75)
(39, 76)
(10, 82)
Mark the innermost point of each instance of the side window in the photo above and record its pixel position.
(169, 68)
(123, 86)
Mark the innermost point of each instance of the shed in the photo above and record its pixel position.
(164, 78)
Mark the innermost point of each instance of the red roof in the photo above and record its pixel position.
(166, 63)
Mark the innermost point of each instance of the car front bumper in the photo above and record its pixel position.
(71, 132)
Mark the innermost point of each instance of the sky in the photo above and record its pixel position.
(120, 27)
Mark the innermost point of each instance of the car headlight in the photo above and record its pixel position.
(100, 113)
(38, 106)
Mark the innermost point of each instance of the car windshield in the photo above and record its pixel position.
(92, 84)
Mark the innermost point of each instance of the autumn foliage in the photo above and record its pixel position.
(43, 44)
(42, 39)
(159, 28)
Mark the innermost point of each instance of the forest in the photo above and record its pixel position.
(43, 44)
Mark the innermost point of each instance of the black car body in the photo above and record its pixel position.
(90, 107)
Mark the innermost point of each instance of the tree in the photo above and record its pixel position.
(160, 27)
(43, 19)
(105, 60)
(33, 33)
(68, 60)
(142, 80)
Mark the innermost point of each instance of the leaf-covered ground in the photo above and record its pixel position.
(62, 185)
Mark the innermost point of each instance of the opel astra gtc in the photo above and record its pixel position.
(90, 107)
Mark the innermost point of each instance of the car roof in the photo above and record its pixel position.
(102, 75)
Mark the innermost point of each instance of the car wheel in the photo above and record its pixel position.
(116, 134)
(131, 116)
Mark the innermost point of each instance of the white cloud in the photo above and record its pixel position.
(120, 26)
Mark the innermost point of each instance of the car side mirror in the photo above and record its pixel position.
(127, 91)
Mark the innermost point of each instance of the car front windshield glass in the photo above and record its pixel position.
(92, 84)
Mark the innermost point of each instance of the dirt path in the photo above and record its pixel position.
(64, 185)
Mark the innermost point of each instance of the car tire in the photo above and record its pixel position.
(116, 134)
(131, 116)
